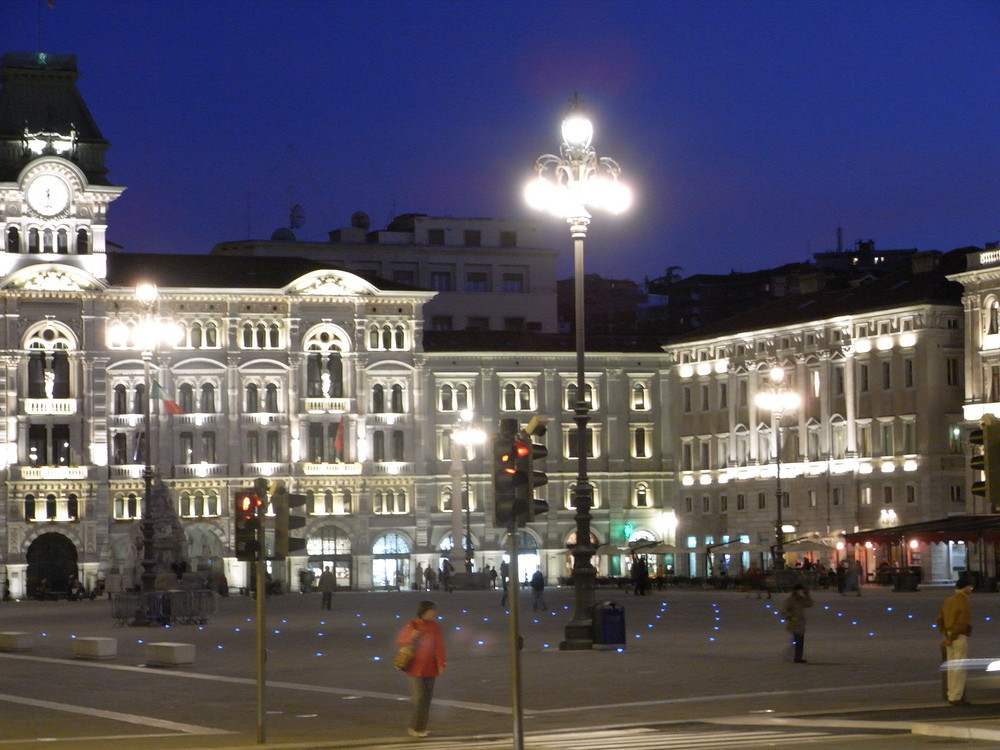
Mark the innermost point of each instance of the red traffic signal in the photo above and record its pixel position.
(247, 525)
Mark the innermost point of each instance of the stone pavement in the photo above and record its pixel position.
(696, 656)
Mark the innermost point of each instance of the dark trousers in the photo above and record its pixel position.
(327, 601)
(421, 691)
(798, 644)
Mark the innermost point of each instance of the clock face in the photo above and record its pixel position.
(48, 195)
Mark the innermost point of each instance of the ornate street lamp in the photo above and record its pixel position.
(465, 436)
(147, 337)
(567, 186)
(777, 399)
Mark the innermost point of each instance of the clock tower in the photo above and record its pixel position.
(54, 192)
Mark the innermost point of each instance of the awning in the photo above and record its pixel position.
(949, 529)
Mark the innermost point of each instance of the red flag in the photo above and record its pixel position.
(338, 443)
(170, 407)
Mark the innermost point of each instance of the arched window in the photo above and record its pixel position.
(378, 398)
(524, 396)
(398, 442)
(271, 398)
(34, 245)
(509, 397)
(378, 445)
(13, 240)
(120, 399)
(208, 398)
(993, 317)
(82, 242)
(62, 242)
(400, 337)
(247, 335)
(212, 336)
(447, 397)
(185, 398)
(444, 501)
(29, 507)
(386, 337)
(639, 402)
(274, 336)
(462, 397)
(252, 398)
(139, 400)
(196, 336)
(642, 498)
(397, 399)
(373, 337)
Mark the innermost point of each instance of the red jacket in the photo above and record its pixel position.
(428, 661)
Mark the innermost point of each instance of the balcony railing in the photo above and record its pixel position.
(57, 407)
(262, 418)
(326, 405)
(196, 419)
(49, 473)
(392, 468)
(188, 471)
(266, 469)
(331, 470)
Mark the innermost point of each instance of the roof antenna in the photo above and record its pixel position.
(840, 239)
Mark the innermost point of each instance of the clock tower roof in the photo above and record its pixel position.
(42, 112)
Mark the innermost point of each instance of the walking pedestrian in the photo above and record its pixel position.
(418, 577)
(793, 612)
(327, 583)
(955, 623)
(493, 577)
(538, 591)
(424, 633)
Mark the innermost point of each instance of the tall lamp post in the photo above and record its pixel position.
(464, 436)
(567, 185)
(777, 399)
(147, 337)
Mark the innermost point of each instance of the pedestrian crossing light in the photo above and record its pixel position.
(286, 521)
(246, 508)
(987, 460)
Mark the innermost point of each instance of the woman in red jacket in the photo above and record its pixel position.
(428, 662)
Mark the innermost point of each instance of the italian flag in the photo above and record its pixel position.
(170, 407)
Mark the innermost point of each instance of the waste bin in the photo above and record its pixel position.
(609, 626)
(906, 579)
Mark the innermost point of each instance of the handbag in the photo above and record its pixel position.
(405, 655)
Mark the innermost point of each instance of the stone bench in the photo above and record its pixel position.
(15, 641)
(168, 654)
(95, 648)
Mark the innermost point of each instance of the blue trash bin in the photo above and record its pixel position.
(609, 626)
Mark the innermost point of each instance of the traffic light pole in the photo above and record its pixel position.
(260, 485)
(513, 582)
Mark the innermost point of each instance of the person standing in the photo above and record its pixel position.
(493, 577)
(955, 623)
(424, 633)
(418, 577)
(793, 611)
(538, 591)
(326, 585)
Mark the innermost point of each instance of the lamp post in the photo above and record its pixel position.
(464, 436)
(146, 337)
(777, 399)
(567, 185)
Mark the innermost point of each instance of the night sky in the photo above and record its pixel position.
(749, 131)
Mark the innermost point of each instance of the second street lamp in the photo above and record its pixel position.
(568, 184)
(777, 399)
(465, 436)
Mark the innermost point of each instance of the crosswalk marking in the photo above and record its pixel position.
(637, 738)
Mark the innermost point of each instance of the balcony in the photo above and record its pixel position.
(391, 468)
(266, 469)
(386, 418)
(125, 420)
(197, 420)
(200, 470)
(46, 407)
(331, 470)
(326, 405)
(50, 473)
(125, 471)
(262, 418)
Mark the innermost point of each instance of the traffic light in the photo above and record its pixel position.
(246, 506)
(504, 473)
(536, 452)
(987, 435)
(285, 521)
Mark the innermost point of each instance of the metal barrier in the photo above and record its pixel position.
(163, 607)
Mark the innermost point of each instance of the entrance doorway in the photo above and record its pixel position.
(51, 564)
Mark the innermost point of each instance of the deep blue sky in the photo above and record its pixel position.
(748, 130)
